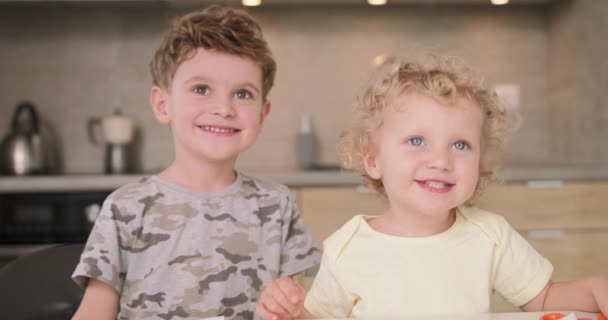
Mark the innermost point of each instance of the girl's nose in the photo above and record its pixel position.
(440, 160)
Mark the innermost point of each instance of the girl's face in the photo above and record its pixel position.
(427, 155)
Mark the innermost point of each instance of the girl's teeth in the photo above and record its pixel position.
(217, 130)
(435, 184)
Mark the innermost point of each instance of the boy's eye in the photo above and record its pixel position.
(460, 145)
(243, 94)
(416, 141)
(201, 89)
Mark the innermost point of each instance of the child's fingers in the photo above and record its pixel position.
(601, 296)
(274, 300)
(261, 310)
(294, 293)
(283, 304)
(294, 296)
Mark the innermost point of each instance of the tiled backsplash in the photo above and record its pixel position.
(79, 60)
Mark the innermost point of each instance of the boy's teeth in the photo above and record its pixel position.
(435, 184)
(218, 130)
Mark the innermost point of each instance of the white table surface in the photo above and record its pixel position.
(498, 316)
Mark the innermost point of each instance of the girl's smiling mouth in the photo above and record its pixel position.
(435, 185)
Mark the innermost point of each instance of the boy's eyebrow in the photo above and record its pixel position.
(196, 78)
(252, 86)
(248, 84)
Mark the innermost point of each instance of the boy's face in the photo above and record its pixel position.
(427, 155)
(214, 108)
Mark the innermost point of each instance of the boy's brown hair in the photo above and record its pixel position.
(219, 28)
(445, 80)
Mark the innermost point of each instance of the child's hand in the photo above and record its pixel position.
(282, 299)
(600, 294)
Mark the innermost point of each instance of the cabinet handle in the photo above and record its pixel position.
(544, 184)
(546, 234)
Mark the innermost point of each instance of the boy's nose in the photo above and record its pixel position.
(223, 108)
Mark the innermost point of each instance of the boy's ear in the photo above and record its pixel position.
(371, 166)
(265, 111)
(158, 101)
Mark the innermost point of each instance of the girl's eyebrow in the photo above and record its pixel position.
(468, 141)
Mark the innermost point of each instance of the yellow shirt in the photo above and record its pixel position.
(365, 273)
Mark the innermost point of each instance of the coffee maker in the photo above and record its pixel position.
(117, 134)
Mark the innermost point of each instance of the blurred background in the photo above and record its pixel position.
(74, 75)
(75, 60)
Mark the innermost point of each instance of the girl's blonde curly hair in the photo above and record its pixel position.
(444, 79)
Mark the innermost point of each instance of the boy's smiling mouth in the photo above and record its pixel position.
(219, 129)
(435, 185)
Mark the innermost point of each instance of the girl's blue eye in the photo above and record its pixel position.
(460, 145)
(415, 141)
(201, 89)
(243, 94)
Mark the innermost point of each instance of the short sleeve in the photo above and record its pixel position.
(521, 272)
(101, 258)
(298, 251)
(327, 298)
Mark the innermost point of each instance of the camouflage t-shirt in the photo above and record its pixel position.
(175, 253)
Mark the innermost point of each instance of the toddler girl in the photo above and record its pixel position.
(425, 138)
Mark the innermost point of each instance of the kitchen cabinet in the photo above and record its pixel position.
(530, 207)
(574, 254)
(550, 204)
(567, 222)
(325, 209)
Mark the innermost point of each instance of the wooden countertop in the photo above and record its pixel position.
(86, 182)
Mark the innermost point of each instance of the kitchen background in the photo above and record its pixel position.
(79, 59)
(76, 60)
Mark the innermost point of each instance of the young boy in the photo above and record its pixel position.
(199, 239)
(423, 138)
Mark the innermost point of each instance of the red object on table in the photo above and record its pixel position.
(555, 316)
(552, 316)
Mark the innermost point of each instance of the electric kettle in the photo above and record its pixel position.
(24, 151)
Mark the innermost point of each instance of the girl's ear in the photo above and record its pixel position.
(372, 167)
(158, 101)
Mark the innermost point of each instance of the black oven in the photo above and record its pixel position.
(35, 220)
